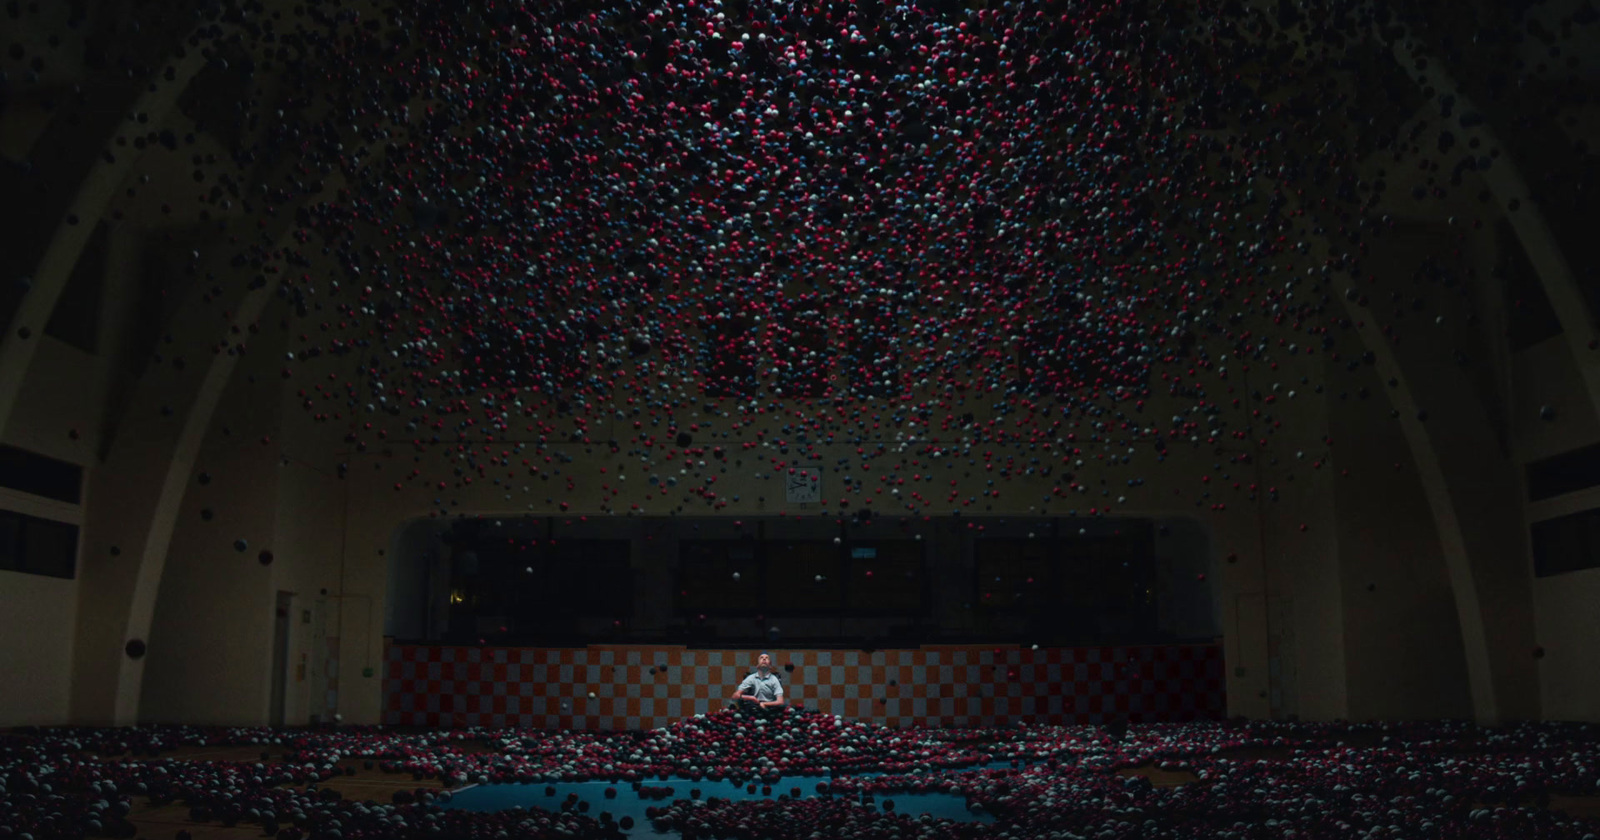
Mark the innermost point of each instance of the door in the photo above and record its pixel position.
(280, 657)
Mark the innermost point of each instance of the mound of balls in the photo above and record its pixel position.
(1213, 780)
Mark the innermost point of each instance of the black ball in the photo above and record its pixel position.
(134, 648)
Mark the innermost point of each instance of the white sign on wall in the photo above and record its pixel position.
(804, 485)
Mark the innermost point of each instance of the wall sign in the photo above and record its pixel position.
(804, 485)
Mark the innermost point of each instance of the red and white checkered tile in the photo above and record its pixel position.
(649, 687)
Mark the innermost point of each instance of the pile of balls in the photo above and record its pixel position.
(1239, 779)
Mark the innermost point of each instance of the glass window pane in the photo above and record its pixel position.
(792, 576)
(886, 576)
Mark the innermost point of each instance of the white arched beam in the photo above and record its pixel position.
(1517, 203)
(21, 341)
(1487, 675)
(119, 596)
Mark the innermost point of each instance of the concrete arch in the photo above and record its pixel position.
(1491, 611)
(1504, 179)
(1486, 702)
(150, 476)
(67, 244)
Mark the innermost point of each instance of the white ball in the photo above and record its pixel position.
(735, 576)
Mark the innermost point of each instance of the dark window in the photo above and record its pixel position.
(1530, 318)
(532, 591)
(886, 576)
(1115, 576)
(589, 578)
(31, 473)
(742, 577)
(37, 546)
(1016, 574)
(1566, 544)
(76, 319)
(1071, 589)
(1564, 473)
(706, 577)
(793, 582)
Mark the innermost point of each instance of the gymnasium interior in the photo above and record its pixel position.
(799, 419)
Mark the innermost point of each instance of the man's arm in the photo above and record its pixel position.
(778, 702)
(747, 685)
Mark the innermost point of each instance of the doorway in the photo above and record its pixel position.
(280, 658)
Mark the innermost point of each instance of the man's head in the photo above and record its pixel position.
(764, 663)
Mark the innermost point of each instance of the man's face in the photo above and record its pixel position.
(764, 662)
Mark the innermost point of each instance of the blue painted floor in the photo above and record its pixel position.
(504, 797)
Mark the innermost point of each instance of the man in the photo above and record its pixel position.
(762, 687)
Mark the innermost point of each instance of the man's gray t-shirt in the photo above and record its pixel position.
(766, 689)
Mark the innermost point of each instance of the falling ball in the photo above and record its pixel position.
(265, 557)
(240, 545)
(736, 577)
(1547, 413)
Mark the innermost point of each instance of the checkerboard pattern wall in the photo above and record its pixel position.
(650, 687)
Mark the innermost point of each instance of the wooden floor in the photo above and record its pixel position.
(363, 786)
